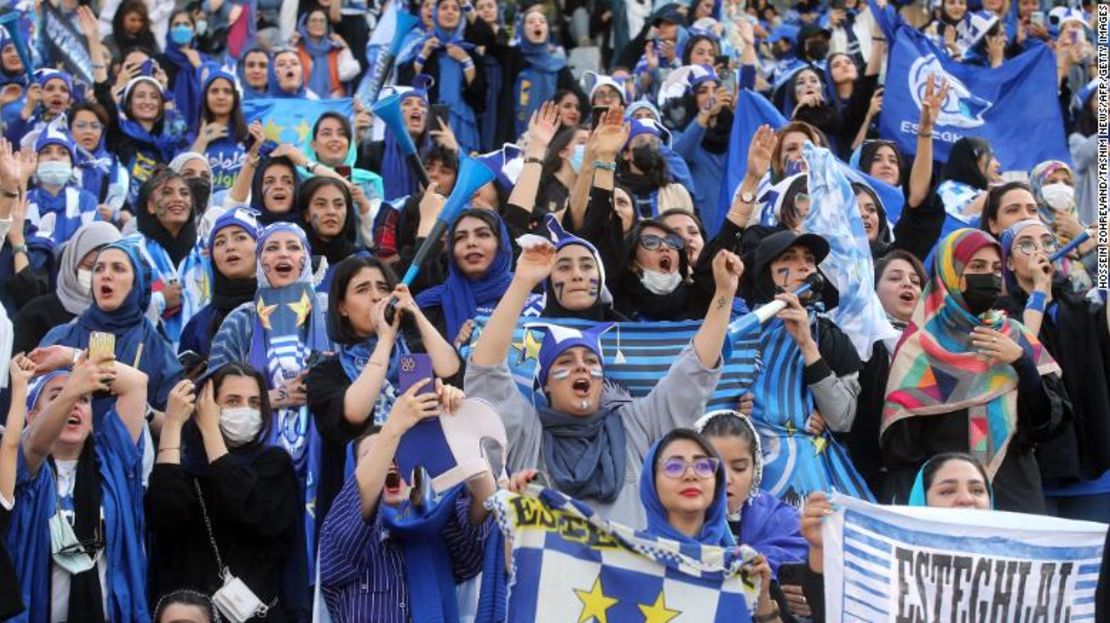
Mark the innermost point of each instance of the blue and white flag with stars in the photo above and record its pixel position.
(290, 120)
(898, 563)
(569, 564)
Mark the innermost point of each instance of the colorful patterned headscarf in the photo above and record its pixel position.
(936, 369)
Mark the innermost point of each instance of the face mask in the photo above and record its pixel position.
(202, 26)
(660, 283)
(576, 157)
(181, 34)
(982, 292)
(201, 190)
(84, 280)
(54, 173)
(645, 157)
(817, 50)
(1059, 196)
(66, 549)
(240, 425)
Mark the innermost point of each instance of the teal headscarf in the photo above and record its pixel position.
(917, 493)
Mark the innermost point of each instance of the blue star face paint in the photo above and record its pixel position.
(595, 287)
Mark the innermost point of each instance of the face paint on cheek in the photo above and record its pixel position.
(585, 404)
(595, 287)
(560, 374)
(558, 287)
(596, 372)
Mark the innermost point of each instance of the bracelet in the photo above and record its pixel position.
(469, 64)
(928, 134)
(19, 248)
(1037, 302)
(878, 38)
(608, 166)
(420, 58)
(311, 167)
(533, 160)
(160, 450)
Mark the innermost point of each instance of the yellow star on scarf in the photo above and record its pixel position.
(594, 603)
(272, 131)
(658, 611)
(529, 347)
(302, 308)
(790, 429)
(303, 130)
(819, 444)
(264, 312)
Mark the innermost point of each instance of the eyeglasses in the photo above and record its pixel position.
(1029, 246)
(705, 467)
(651, 242)
(95, 126)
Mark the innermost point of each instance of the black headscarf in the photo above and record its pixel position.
(176, 246)
(86, 600)
(346, 243)
(265, 217)
(762, 289)
(635, 300)
(963, 162)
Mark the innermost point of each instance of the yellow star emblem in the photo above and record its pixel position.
(819, 444)
(264, 312)
(529, 346)
(594, 603)
(272, 131)
(658, 611)
(790, 428)
(302, 308)
(303, 130)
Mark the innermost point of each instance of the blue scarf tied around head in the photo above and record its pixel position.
(586, 457)
(460, 297)
(186, 84)
(99, 168)
(428, 572)
(714, 531)
(319, 76)
(397, 179)
(539, 80)
(160, 147)
(452, 83)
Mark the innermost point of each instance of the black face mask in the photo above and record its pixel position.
(645, 157)
(817, 50)
(982, 292)
(202, 190)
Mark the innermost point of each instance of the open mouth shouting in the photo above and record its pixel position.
(284, 268)
(393, 481)
(581, 387)
(474, 258)
(666, 264)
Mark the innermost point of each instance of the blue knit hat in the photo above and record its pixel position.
(56, 133)
(235, 217)
(42, 76)
(558, 339)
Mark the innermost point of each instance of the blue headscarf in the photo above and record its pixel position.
(715, 529)
(1007, 241)
(272, 88)
(6, 78)
(164, 147)
(98, 167)
(396, 176)
(539, 80)
(250, 92)
(185, 89)
(452, 83)
(917, 493)
(319, 76)
(459, 297)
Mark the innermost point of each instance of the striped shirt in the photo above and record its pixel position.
(362, 572)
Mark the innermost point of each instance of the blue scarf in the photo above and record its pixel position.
(917, 493)
(319, 76)
(273, 90)
(489, 119)
(71, 209)
(585, 456)
(162, 147)
(397, 179)
(99, 168)
(353, 358)
(538, 81)
(185, 89)
(452, 82)
(249, 92)
(458, 296)
(428, 570)
(714, 531)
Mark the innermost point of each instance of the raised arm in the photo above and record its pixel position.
(541, 129)
(710, 338)
(922, 172)
(533, 266)
(759, 161)
(21, 370)
(240, 191)
(445, 360)
(604, 144)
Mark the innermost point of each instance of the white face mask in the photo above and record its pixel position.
(660, 283)
(240, 425)
(1059, 196)
(84, 281)
(54, 173)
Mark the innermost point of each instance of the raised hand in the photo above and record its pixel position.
(11, 168)
(444, 136)
(419, 402)
(21, 370)
(49, 358)
(932, 102)
(258, 136)
(610, 135)
(760, 150)
(535, 264)
(727, 270)
(543, 125)
(87, 21)
(180, 403)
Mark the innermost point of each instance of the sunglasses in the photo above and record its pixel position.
(705, 467)
(652, 242)
(1029, 246)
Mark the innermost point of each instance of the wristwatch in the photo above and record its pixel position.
(747, 197)
(19, 248)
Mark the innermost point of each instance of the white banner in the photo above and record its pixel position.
(908, 565)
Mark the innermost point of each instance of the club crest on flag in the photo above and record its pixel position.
(961, 109)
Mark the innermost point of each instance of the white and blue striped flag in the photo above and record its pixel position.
(569, 564)
(898, 563)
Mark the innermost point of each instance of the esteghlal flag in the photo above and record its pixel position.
(568, 564)
(286, 120)
(897, 563)
(637, 355)
(1014, 106)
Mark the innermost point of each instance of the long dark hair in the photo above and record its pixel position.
(339, 327)
(869, 150)
(237, 122)
(343, 123)
(552, 161)
(900, 254)
(994, 204)
(120, 37)
(238, 368)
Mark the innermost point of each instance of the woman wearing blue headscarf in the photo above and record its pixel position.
(449, 56)
(533, 70)
(683, 490)
(276, 334)
(121, 294)
(287, 77)
(97, 170)
(77, 531)
(479, 269)
(386, 156)
(326, 58)
(254, 73)
(182, 62)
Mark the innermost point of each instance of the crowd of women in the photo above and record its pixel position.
(202, 330)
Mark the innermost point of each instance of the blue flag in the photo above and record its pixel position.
(752, 111)
(569, 564)
(287, 120)
(637, 355)
(1013, 106)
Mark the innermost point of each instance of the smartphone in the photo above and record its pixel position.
(442, 112)
(792, 574)
(416, 367)
(596, 114)
(1037, 17)
(101, 343)
(314, 358)
(267, 148)
(344, 170)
